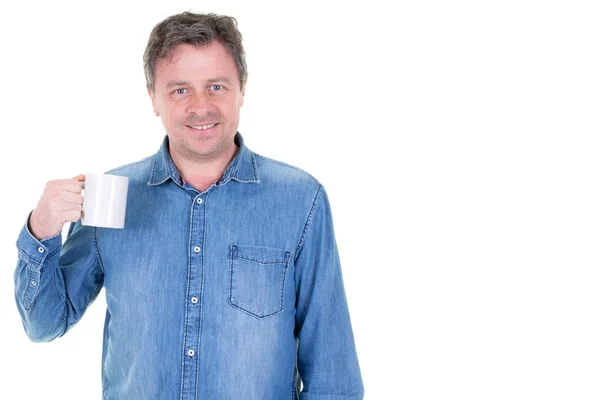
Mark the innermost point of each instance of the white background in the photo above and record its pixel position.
(458, 142)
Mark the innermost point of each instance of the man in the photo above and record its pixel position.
(225, 282)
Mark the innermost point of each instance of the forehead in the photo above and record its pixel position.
(198, 63)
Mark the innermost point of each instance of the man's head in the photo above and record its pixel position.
(197, 30)
(195, 75)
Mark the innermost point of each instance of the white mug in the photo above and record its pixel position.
(104, 200)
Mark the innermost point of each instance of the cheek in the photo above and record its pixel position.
(238, 100)
(233, 107)
(173, 114)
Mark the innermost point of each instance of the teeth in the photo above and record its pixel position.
(201, 128)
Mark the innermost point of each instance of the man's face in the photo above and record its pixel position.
(197, 94)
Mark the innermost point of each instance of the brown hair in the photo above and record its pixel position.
(196, 29)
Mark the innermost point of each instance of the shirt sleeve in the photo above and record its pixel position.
(327, 359)
(55, 282)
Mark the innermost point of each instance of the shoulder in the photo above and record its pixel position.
(135, 170)
(284, 175)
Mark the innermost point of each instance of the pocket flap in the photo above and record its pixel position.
(264, 255)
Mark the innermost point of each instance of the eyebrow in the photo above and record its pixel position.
(178, 83)
(210, 81)
(219, 79)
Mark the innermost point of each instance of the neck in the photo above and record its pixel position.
(202, 173)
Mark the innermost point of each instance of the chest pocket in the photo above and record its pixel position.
(258, 279)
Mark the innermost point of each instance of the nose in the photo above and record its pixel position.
(198, 102)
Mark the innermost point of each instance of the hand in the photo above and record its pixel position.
(60, 203)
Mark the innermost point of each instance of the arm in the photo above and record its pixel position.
(54, 283)
(327, 360)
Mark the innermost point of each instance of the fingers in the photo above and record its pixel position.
(71, 207)
(72, 215)
(71, 185)
(72, 198)
(64, 190)
(79, 177)
(60, 202)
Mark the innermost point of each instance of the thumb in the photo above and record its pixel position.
(79, 178)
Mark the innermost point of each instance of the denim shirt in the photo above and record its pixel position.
(235, 292)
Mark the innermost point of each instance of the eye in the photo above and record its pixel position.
(180, 91)
(216, 88)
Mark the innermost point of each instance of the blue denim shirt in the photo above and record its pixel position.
(235, 292)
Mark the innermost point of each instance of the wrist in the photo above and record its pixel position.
(35, 229)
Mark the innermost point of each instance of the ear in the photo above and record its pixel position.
(243, 92)
(151, 94)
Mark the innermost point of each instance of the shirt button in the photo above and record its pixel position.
(33, 283)
(199, 200)
(197, 249)
(194, 300)
(191, 352)
(41, 249)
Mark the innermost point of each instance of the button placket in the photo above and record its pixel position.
(193, 321)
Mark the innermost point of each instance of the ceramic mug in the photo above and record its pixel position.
(104, 200)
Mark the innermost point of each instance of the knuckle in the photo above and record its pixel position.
(51, 184)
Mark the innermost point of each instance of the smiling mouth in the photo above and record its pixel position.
(202, 127)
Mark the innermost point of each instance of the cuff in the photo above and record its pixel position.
(35, 251)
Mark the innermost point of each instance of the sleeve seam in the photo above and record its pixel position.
(308, 221)
(98, 251)
(99, 286)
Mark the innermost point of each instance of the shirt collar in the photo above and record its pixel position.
(242, 168)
